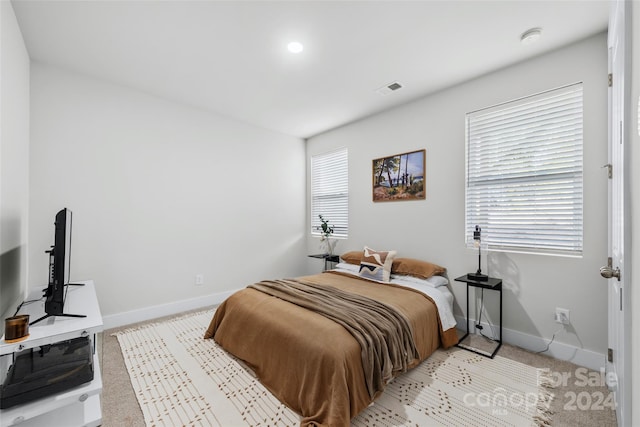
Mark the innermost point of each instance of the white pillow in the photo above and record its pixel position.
(352, 268)
(437, 281)
(433, 281)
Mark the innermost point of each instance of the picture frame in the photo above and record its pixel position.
(400, 177)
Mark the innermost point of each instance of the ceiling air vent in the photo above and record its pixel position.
(387, 89)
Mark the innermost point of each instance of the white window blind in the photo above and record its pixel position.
(524, 173)
(330, 191)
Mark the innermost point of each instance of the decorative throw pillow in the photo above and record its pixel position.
(416, 268)
(353, 257)
(376, 265)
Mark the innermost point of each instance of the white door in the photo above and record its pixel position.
(618, 310)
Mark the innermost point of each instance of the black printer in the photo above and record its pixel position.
(46, 370)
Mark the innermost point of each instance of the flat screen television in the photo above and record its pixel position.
(59, 268)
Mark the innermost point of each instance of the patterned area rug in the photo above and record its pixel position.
(182, 379)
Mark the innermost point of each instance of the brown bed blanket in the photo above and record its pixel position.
(386, 341)
(308, 361)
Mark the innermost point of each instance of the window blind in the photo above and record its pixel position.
(524, 173)
(330, 191)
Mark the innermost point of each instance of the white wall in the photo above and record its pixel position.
(159, 192)
(434, 229)
(14, 160)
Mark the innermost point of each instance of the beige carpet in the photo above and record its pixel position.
(180, 379)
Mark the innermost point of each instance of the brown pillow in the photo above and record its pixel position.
(353, 257)
(416, 268)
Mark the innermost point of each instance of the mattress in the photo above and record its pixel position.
(309, 362)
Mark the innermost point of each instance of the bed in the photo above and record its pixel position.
(318, 365)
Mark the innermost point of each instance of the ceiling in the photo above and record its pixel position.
(230, 57)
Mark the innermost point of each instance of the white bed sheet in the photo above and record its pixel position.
(441, 296)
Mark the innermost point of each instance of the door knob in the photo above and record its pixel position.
(608, 272)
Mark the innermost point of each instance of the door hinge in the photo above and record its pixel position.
(610, 79)
(610, 355)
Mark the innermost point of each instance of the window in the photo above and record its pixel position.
(330, 191)
(524, 173)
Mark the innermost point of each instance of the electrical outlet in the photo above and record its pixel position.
(199, 279)
(562, 316)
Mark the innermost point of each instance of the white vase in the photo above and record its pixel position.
(329, 245)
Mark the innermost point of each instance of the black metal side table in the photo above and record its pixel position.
(328, 258)
(493, 284)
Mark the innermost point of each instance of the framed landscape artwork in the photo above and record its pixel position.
(399, 177)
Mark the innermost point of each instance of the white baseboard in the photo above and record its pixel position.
(587, 358)
(557, 350)
(149, 313)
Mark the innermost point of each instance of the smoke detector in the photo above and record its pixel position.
(387, 89)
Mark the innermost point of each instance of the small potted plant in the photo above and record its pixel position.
(325, 237)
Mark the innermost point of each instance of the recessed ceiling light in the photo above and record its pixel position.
(530, 36)
(295, 47)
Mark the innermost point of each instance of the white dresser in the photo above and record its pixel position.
(78, 406)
